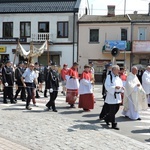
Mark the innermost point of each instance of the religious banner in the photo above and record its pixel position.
(110, 44)
(33, 52)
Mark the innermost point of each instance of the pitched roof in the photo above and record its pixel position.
(16, 1)
(36, 6)
(117, 18)
(139, 17)
(103, 19)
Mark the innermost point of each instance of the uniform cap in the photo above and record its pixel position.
(108, 65)
(8, 61)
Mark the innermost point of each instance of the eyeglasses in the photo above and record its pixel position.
(31, 66)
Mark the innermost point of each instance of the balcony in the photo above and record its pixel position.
(41, 37)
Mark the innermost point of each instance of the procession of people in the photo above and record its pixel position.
(119, 88)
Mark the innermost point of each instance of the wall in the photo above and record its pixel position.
(94, 50)
(34, 19)
(136, 30)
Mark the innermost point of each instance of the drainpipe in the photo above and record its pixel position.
(131, 56)
(77, 41)
(73, 35)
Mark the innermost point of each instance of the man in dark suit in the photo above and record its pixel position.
(18, 74)
(8, 82)
(105, 109)
(52, 85)
(46, 69)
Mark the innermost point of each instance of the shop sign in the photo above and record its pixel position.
(110, 44)
(2, 49)
(12, 40)
(141, 46)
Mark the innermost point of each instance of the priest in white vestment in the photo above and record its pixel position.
(146, 83)
(134, 96)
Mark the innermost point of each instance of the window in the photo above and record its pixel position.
(62, 29)
(94, 35)
(99, 65)
(8, 29)
(43, 27)
(142, 34)
(25, 29)
(124, 34)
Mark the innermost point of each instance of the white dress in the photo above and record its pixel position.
(131, 113)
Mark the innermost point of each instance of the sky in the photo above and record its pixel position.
(100, 6)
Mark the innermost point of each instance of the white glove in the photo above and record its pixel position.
(51, 90)
(6, 84)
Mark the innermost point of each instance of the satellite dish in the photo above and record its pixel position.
(115, 52)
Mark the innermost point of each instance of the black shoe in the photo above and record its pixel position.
(101, 117)
(72, 106)
(37, 96)
(13, 102)
(139, 119)
(5, 102)
(107, 123)
(86, 110)
(45, 96)
(23, 100)
(55, 110)
(47, 109)
(114, 126)
(28, 108)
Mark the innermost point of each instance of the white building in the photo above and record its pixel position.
(34, 21)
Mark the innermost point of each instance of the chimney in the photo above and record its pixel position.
(135, 12)
(149, 9)
(111, 10)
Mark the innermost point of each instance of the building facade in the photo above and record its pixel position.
(35, 21)
(140, 29)
(98, 35)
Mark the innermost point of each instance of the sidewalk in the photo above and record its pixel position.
(7, 145)
(41, 130)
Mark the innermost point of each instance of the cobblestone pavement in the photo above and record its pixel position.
(40, 130)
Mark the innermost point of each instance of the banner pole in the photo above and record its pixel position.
(16, 52)
(48, 53)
